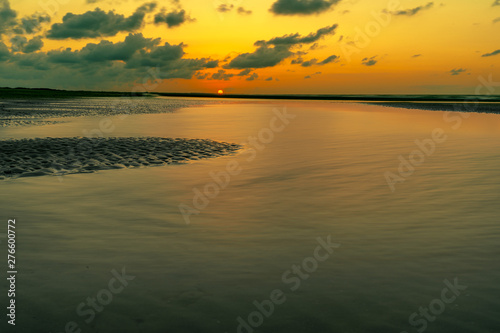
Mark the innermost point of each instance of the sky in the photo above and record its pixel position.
(251, 47)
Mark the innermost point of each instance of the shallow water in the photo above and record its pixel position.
(321, 175)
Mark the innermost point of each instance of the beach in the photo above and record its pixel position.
(308, 173)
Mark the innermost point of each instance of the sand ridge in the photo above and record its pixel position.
(59, 156)
(35, 112)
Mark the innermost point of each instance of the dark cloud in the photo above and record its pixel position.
(496, 3)
(457, 71)
(98, 23)
(7, 16)
(108, 51)
(416, 55)
(64, 57)
(314, 46)
(272, 52)
(21, 44)
(17, 28)
(309, 63)
(269, 78)
(221, 75)
(369, 61)
(301, 7)
(264, 56)
(297, 61)
(168, 59)
(413, 11)
(244, 72)
(496, 20)
(4, 52)
(201, 76)
(174, 18)
(243, 11)
(314, 61)
(491, 54)
(252, 77)
(332, 58)
(294, 39)
(307, 77)
(32, 24)
(224, 8)
(102, 65)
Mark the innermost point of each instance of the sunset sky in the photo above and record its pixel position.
(257, 46)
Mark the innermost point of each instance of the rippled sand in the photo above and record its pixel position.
(59, 156)
(35, 112)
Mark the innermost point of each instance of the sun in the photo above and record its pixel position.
(220, 92)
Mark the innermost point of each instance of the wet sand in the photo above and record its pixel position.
(38, 112)
(59, 156)
(472, 106)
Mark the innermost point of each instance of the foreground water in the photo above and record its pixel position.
(430, 242)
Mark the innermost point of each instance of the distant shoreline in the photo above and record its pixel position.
(41, 93)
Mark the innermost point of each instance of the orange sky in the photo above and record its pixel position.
(377, 46)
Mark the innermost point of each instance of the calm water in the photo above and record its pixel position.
(322, 175)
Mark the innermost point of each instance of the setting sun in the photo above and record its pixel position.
(220, 92)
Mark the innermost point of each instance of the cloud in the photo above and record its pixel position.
(307, 77)
(35, 44)
(295, 39)
(98, 23)
(101, 65)
(221, 75)
(4, 52)
(332, 58)
(416, 55)
(174, 18)
(491, 54)
(108, 51)
(269, 78)
(201, 76)
(301, 7)
(496, 3)
(21, 44)
(369, 61)
(105, 51)
(243, 11)
(7, 16)
(413, 11)
(457, 71)
(223, 8)
(9, 23)
(252, 77)
(31, 24)
(244, 72)
(314, 46)
(497, 19)
(309, 63)
(272, 52)
(264, 56)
